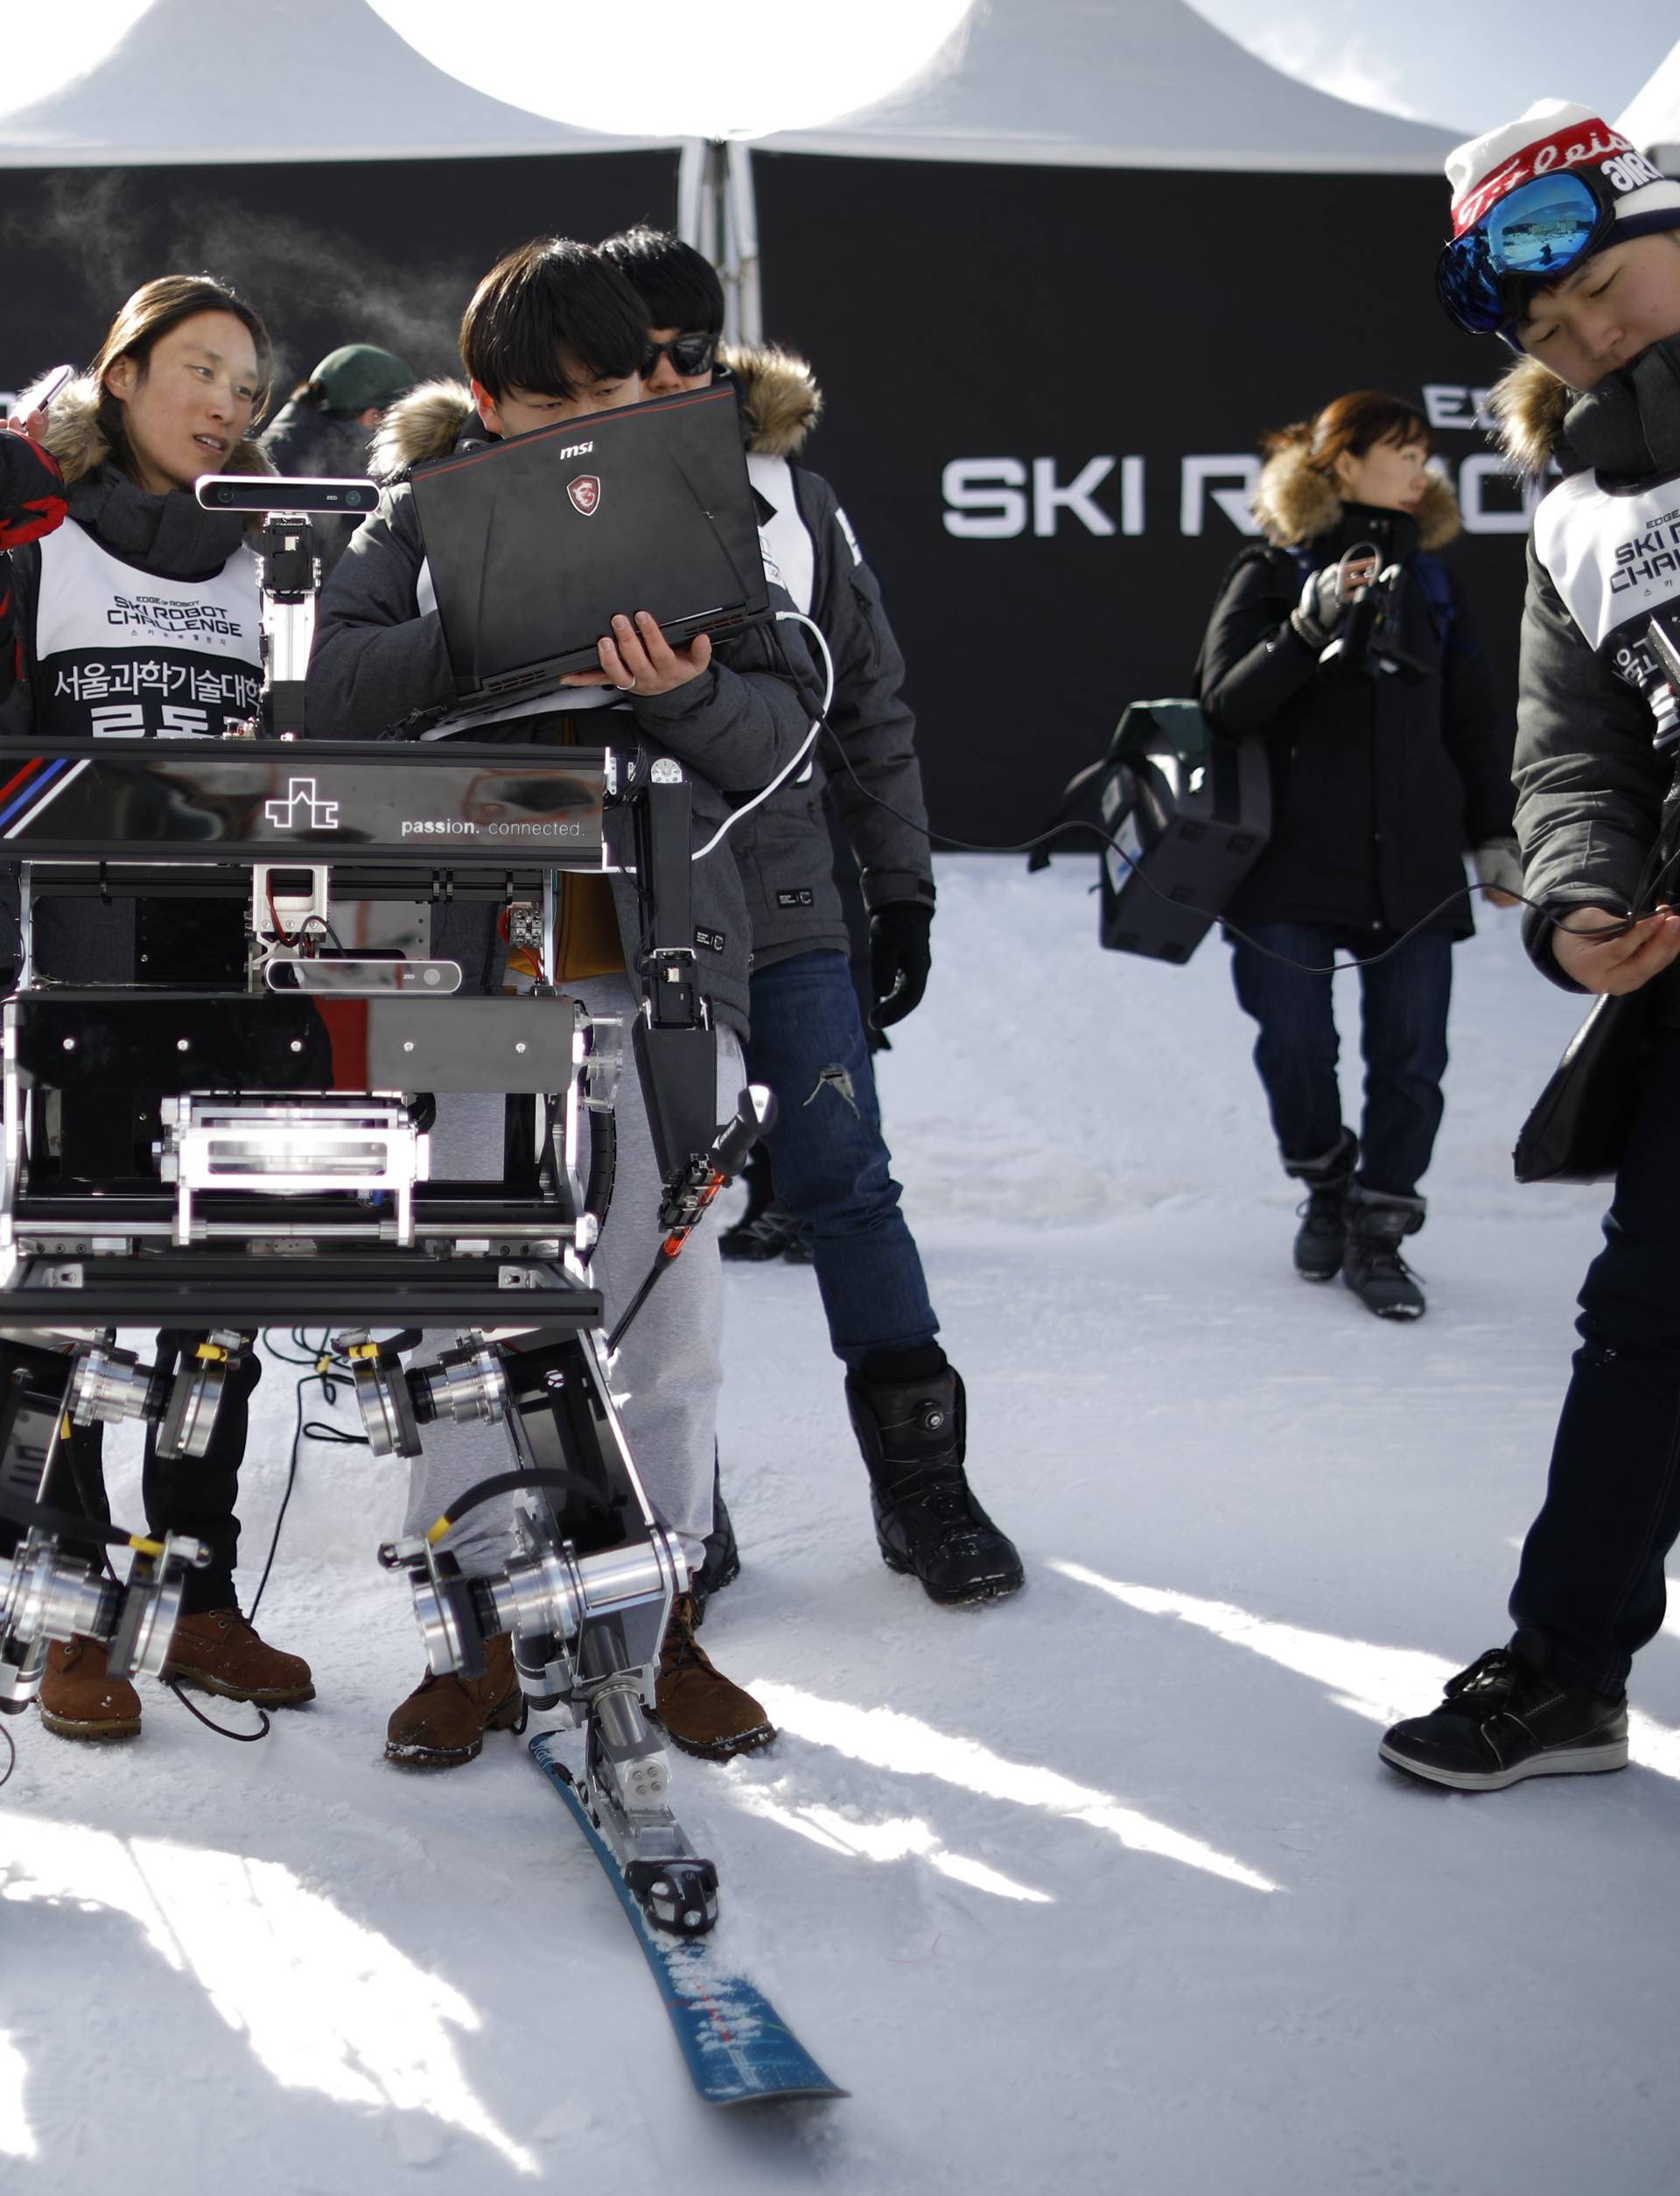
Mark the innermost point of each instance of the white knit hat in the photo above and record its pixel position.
(1551, 137)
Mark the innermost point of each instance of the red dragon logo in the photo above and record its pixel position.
(586, 493)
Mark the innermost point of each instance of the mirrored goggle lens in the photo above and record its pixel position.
(1542, 227)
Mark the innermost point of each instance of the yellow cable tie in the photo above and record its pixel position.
(359, 1350)
(438, 1530)
(65, 1428)
(214, 1351)
(324, 1364)
(141, 1546)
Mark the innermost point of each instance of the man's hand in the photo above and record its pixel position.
(1618, 964)
(637, 659)
(899, 958)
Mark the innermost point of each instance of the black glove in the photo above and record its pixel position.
(899, 958)
(1322, 609)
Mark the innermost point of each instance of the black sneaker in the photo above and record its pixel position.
(1372, 1266)
(928, 1523)
(1506, 1718)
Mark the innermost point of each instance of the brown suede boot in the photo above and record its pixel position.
(703, 1712)
(220, 1652)
(79, 1698)
(442, 1722)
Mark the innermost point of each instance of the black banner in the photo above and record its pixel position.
(1045, 389)
(356, 251)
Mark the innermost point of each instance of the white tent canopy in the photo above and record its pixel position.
(196, 81)
(1115, 83)
(1653, 120)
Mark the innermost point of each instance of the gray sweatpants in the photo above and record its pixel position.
(665, 1377)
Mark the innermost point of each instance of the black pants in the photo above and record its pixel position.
(1590, 1577)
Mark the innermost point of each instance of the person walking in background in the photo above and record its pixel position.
(1345, 644)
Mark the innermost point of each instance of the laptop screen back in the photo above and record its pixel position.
(534, 543)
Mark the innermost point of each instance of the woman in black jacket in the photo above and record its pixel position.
(129, 612)
(1389, 761)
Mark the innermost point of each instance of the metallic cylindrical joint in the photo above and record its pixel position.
(466, 1384)
(382, 1399)
(107, 1385)
(52, 1596)
(540, 1596)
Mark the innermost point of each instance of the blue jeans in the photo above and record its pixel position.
(832, 1169)
(1403, 1036)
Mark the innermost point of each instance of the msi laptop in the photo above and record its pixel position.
(536, 542)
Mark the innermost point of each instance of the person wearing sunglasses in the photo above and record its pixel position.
(1566, 244)
(808, 1038)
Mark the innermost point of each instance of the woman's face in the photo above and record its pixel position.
(190, 403)
(1391, 476)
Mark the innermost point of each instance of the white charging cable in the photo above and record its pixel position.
(795, 617)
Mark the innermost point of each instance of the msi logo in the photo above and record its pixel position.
(586, 493)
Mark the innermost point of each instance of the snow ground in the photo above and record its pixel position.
(1103, 1888)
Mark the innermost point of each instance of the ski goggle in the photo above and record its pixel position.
(688, 354)
(1535, 234)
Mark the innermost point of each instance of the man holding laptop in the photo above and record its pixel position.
(555, 335)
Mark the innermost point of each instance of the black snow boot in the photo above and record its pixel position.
(910, 1416)
(722, 1565)
(1322, 1236)
(772, 1233)
(1372, 1266)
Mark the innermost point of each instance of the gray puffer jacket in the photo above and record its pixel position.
(379, 662)
(784, 849)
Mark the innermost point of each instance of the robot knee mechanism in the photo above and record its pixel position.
(584, 1627)
(47, 1595)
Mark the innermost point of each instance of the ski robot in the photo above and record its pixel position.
(288, 1178)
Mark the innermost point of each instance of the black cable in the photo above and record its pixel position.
(328, 1363)
(1598, 934)
(12, 1753)
(245, 1738)
(503, 1483)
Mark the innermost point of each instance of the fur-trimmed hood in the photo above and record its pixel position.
(1296, 503)
(77, 440)
(780, 401)
(1531, 404)
(425, 424)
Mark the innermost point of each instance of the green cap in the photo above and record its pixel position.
(358, 375)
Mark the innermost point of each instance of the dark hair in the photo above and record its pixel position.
(551, 307)
(1350, 426)
(150, 314)
(678, 285)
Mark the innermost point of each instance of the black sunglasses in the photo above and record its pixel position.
(688, 354)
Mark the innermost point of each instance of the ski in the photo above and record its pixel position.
(738, 2048)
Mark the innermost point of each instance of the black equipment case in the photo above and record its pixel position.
(1190, 813)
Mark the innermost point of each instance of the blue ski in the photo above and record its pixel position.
(737, 2047)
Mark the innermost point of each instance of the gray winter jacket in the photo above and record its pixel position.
(379, 662)
(786, 856)
(1604, 556)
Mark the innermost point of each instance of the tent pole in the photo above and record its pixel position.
(692, 191)
(744, 245)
